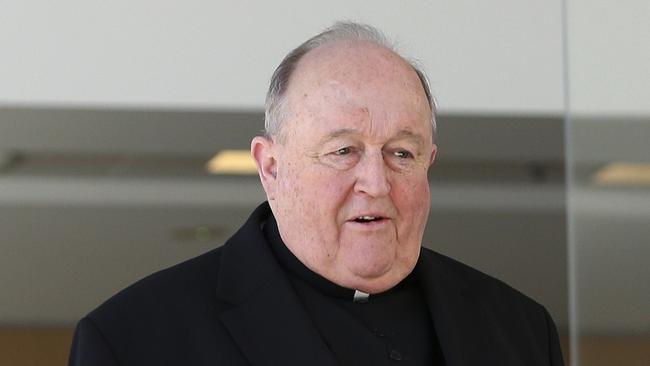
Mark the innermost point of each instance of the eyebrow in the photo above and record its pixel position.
(409, 135)
(402, 134)
(338, 133)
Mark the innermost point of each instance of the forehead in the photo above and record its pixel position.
(356, 84)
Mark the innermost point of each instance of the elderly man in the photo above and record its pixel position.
(331, 271)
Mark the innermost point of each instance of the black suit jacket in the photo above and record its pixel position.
(235, 306)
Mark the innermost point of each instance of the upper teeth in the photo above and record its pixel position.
(367, 217)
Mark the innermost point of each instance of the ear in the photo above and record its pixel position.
(263, 151)
(432, 158)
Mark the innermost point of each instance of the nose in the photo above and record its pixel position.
(372, 176)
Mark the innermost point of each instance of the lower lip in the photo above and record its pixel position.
(370, 225)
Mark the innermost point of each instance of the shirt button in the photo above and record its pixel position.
(395, 355)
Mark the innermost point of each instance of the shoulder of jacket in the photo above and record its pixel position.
(482, 285)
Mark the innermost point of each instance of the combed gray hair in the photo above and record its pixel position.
(275, 108)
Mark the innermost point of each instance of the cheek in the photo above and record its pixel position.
(310, 198)
(411, 197)
(312, 188)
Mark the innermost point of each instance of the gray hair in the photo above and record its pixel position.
(275, 108)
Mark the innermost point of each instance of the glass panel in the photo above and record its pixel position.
(608, 160)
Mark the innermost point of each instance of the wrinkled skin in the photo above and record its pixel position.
(356, 141)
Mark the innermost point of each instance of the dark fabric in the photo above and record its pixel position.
(391, 327)
(235, 306)
(297, 269)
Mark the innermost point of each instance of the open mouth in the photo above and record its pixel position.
(367, 219)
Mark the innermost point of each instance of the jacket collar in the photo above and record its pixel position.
(271, 327)
(267, 319)
(459, 318)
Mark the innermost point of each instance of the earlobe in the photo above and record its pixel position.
(263, 153)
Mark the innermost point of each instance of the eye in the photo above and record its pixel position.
(341, 158)
(343, 151)
(403, 154)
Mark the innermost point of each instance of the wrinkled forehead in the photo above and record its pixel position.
(355, 78)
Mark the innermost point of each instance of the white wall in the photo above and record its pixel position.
(496, 56)
(609, 57)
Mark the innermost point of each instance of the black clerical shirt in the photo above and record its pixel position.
(390, 328)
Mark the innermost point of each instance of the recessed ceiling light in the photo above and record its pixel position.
(627, 174)
(232, 162)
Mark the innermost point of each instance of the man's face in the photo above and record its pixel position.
(349, 185)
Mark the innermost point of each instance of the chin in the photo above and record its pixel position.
(375, 277)
(376, 286)
(370, 265)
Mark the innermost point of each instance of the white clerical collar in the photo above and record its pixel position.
(360, 296)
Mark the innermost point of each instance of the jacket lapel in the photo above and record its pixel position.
(267, 319)
(459, 319)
